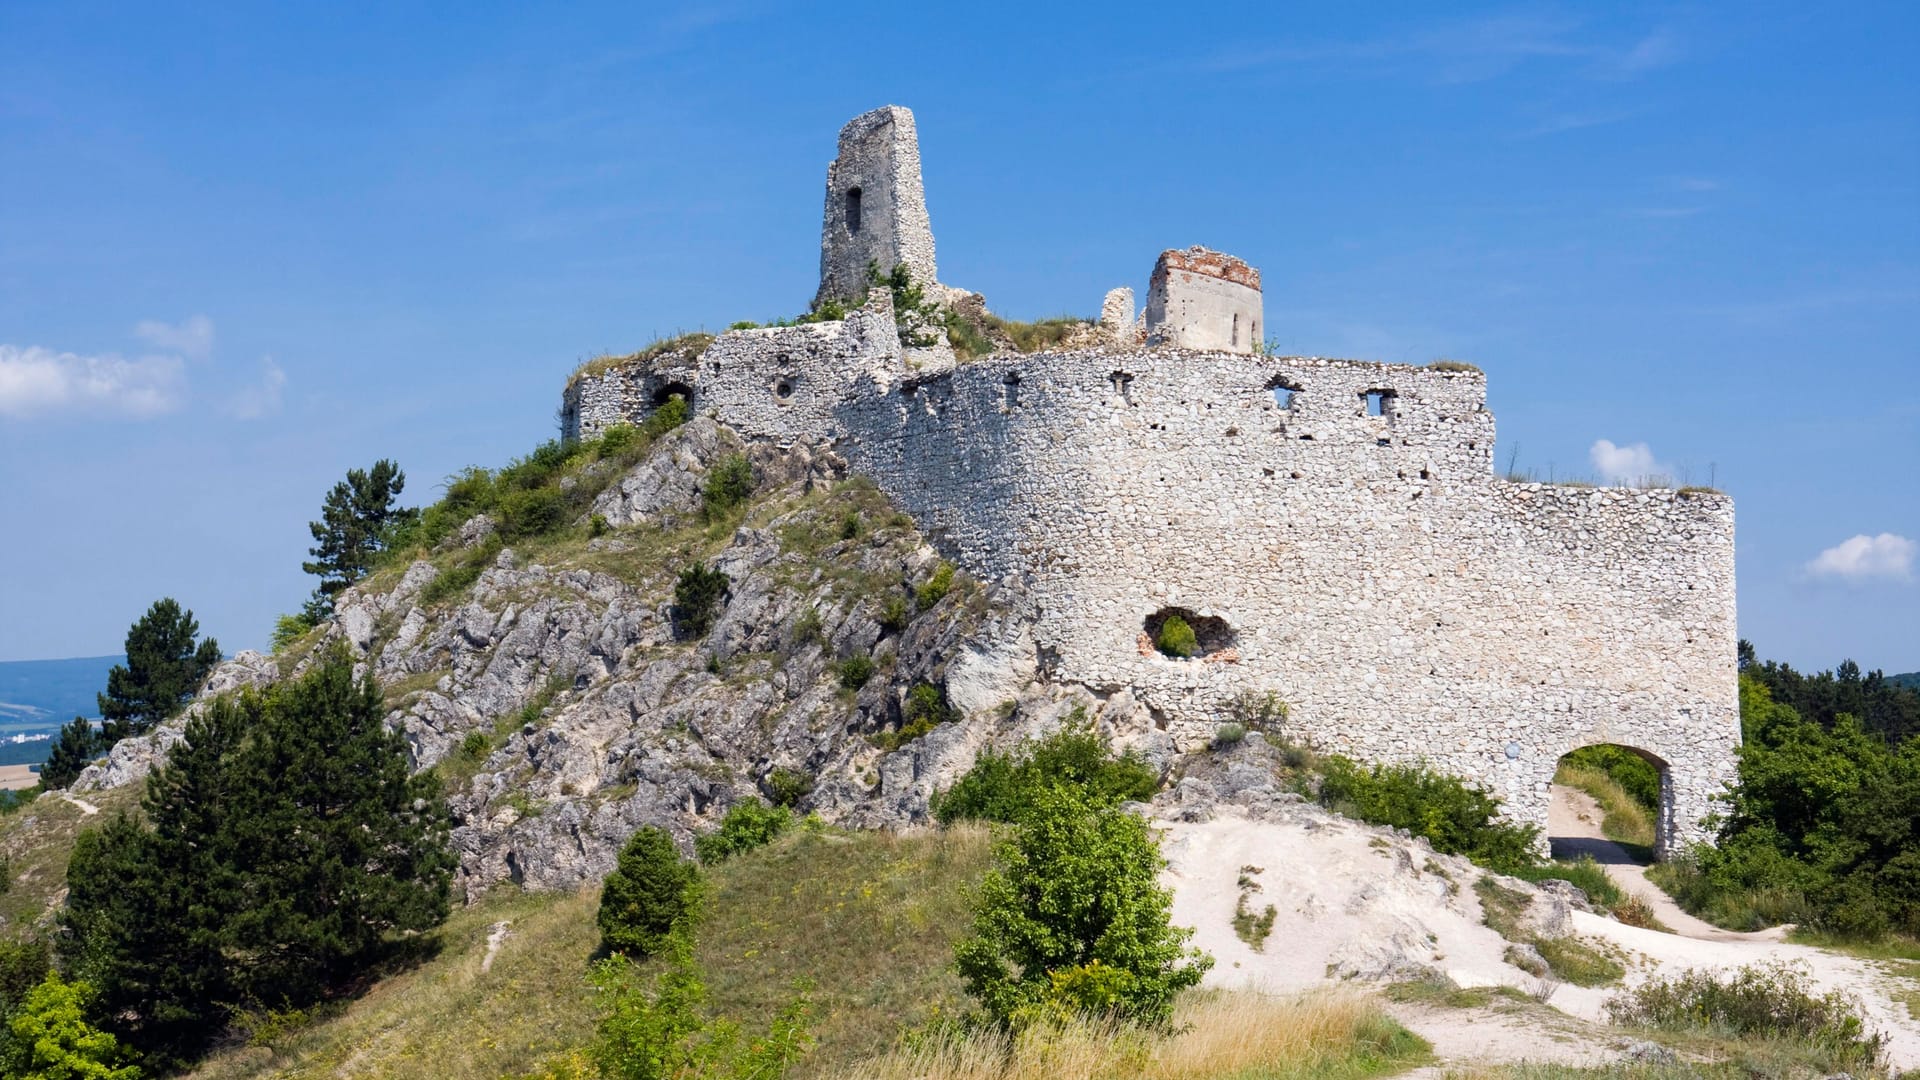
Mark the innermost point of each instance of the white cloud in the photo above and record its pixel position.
(1632, 464)
(1864, 558)
(34, 381)
(191, 337)
(263, 397)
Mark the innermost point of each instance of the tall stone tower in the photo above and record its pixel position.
(876, 208)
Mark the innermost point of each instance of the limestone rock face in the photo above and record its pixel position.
(564, 713)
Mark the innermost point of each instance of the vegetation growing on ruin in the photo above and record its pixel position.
(1457, 818)
(690, 344)
(1001, 784)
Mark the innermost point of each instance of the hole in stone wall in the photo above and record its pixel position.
(1236, 329)
(1013, 390)
(782, 389)
(1376, 401)
(853, 210)
(667, 391)
(1283, 392)
(1210, 634)
(1122, 385)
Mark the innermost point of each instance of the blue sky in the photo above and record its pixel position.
(245, 249)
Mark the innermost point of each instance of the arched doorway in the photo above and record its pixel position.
(1612, 802)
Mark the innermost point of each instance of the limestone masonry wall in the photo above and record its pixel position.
(1341, 518)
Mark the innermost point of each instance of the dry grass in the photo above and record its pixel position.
(1625, 821)
(692, 344)
(1242, 1036)
(37, 840)
(446, 1019)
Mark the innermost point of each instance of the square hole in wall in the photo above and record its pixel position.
(1377, 402)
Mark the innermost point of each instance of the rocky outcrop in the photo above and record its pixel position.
(564, 712)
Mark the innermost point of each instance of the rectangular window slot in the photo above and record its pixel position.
(1376, 401)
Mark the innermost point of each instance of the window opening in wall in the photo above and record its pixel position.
(783, 389)
(666, 392)
(1236, 329)
(1013, 391)
(1122, 385)
(1183, 634)
(1376, 401)
(1283, 392)
(853, 210)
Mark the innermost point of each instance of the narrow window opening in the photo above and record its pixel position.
(1013, 391)
(853, 210)
(1236, 329)
(1122, 385)
(1376, 401)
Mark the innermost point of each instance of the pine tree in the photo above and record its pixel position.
(72, 751)
(164, 667)
(356, 522)
(651, 891)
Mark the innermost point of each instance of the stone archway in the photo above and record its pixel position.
(1613, 801)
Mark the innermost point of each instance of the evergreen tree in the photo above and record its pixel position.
(164, 667)
(650, 892)
(72, 751)
(287, 845)
(356, 523)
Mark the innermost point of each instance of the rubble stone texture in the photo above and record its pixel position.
(876, 209)
(1201, 299)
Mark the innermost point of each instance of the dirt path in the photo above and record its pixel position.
(1573, 830)
(86, 808)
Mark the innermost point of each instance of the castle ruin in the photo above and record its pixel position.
(1334, 530)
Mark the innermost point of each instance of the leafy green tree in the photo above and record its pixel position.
(651, 891)
(73, 750)
(1073, 919)
(1001, 787)
(164, 667)
(356, 524)
(50, 1038)
(287, 845)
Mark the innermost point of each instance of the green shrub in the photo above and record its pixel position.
(1259, 711)
(288, 629)
(50, 1038)
(697, 597)
(658, 1029)
(598, 526)
(893, 616)
(1584, 874)
(618, 440)
(855, 670)
(1773, 1000)
(936, 587)
(728, 485)
(457, 580)
(651, 892)
(749, 824)
(786, 787)
(670, 414)
(1176, 638)
(924, 709)
(1455, 817)
(1228, 735)
(850, 525)
(532, 512)
(476, 746)
(1640, 777)
(1003, 787)
(1073, 920)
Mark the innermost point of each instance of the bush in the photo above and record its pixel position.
(651, 892)
(658, 1030)
(669, 415)
(288, 629)
(532, 512)
(617, 440)
(1258, 711)
(748, 825)
(49, 1038)
(1228, 735)
(855, 670)
(1456, 818)
(1003, 787)
(697, 597)
(893, 616)
(1073, 920)
(786, 787)
(1176, 639)
(1773, 1000)
(728, 485)
(936, 587)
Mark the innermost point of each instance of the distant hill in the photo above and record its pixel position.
(37, 696)
(1910, 679)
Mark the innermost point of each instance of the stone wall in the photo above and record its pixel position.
(1340, 519)
(876, 207)
(1201, 299)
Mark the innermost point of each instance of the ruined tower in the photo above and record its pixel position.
(876, 208)
(1201, 299)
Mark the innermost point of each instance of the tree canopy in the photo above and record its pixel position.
(164, 667)
(357, 522)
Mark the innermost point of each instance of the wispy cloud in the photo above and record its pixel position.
(192, 337)
(1573, 121)
(35, 381)
(1470, 50)
(1886, 557)
(262, 397)
(1696, 183)
(1632, 464)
